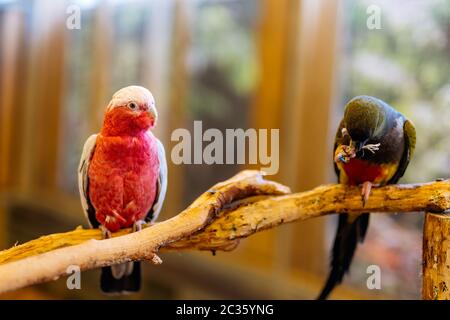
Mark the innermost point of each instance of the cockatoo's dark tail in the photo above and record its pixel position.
(351, 230)
(127, 283)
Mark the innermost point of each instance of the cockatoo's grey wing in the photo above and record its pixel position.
(161, 184)
(83, 180)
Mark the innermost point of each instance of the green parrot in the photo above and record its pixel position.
(373, 147)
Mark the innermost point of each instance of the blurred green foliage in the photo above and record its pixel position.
(407, 64)
(222, 57)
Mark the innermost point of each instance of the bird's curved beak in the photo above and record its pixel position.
(151, 111)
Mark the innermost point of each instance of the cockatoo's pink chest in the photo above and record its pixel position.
(123, 179)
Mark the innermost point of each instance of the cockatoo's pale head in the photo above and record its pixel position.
(130, 111)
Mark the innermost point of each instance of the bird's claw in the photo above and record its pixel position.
(106, 234)
(137, 225)
(365, 192)
(372, 147)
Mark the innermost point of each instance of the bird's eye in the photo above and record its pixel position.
(132, 106)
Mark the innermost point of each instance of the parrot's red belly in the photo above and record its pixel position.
(359, 171)
(122, 179)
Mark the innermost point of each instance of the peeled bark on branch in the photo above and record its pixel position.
(215, 221)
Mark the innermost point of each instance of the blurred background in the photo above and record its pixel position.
(287, 64)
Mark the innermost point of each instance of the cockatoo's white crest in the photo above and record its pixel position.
(129, 94)
(136, 94)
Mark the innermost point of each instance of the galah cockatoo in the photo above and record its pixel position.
(122, 176)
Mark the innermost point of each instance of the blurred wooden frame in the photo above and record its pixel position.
(43, 89)
(297, 41)
(11, 101)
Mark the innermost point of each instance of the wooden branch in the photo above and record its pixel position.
(436, 257)
(139, 245)
(215, 221)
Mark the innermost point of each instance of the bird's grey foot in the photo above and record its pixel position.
(106, 234)
(372, 147)
(137, 226)
(365, 192)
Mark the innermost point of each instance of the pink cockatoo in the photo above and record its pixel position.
(122, 176)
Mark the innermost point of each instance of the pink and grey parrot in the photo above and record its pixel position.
(122, 176)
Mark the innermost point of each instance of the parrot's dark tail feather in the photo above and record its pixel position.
(128, 283)
(348, 234)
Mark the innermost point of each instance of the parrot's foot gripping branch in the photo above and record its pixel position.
(365, 192)
(106, 234)
(137, 225)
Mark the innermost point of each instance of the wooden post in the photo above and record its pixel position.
(436, 257)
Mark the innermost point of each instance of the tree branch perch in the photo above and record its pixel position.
(231, 210)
